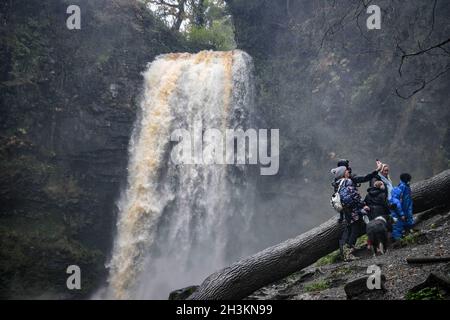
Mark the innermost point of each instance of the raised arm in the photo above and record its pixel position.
(366, 178)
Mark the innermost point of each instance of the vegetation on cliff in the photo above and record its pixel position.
(68, 101)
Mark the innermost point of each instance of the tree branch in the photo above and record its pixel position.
(423, 84)
(432, 20)
(405, 55)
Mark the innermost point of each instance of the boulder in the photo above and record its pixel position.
(358, 289)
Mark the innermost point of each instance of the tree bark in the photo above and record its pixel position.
(179, 16)
(432, 192)
(247, 275)
(199, 13)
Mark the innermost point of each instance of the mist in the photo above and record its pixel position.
(338, 90)
(72, 101)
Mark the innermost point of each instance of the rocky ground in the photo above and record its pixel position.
(331, 279)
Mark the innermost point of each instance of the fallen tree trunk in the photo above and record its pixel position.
(432, 192)
(413, 260)
(245, 276)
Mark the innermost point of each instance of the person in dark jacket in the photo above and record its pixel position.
(376, 200)
(352, 213)
(357, 180)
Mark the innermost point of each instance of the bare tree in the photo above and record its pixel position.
(419, 84)
(199, 8)
(172, 10)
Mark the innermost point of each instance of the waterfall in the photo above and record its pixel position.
(179, 222)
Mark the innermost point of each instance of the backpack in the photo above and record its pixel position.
(349, 197)
(336, 199)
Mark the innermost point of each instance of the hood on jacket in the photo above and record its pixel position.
(375, 191)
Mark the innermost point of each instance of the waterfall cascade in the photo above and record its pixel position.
(179, 222)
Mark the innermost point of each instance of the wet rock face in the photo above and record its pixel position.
(68, 102)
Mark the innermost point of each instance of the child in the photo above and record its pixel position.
(402, 207)
(376, 200)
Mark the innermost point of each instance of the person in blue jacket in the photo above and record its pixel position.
(402, 207)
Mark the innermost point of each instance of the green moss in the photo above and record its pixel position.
(102, 60)
(428, 293)
(410, 239)
(295, 276)
(34, 257)
(26, 165)
(63, 189)
(331, 258)
(29, 49)
(341, 272)
(362, 241)
(317, 286)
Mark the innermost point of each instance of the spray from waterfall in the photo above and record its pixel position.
(177, 223)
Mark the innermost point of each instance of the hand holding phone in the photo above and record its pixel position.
(379, 164)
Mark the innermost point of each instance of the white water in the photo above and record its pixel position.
(179, 223)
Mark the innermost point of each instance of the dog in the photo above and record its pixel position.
(378, 231)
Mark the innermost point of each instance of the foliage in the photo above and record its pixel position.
(317, 286)
(331, 258)
(28, 51)
(341, 271)
(53, 158)
(206, 23)
(428, 293)
(410, 239)
(219, 36)
(361, 241)
(26, 270)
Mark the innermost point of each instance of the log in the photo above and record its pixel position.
(412, 260)
(432, 192)
(249, 274)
